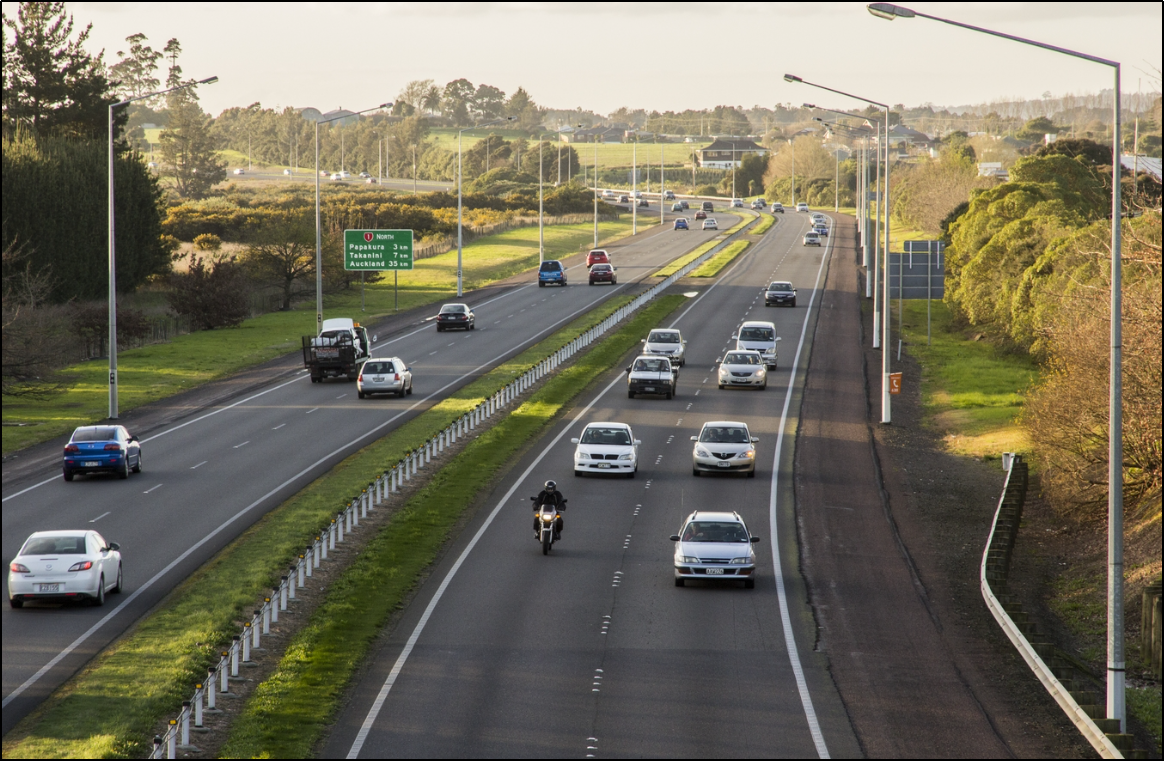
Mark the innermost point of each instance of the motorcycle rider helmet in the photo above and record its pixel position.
(551, 486)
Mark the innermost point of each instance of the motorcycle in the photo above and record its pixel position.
(547, 516)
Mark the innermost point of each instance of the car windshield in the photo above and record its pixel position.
(453, 309)
(103, 433)
(780, 287)
(551, 267)
(608, 436)
(378, 367)
(714, 434)
(757, 334)
(741, 358)
(663, 337)
(652, 366)
(715, 531)
(54, 545)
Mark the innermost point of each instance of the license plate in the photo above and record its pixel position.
(378, 379)
(604, 465)
(50, 587)
(648, 388)
(714, 572)
(90, 464)
(724, 464)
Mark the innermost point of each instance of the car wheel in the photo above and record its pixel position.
(669, 394)
(632, 473)
(117, 586)
(440, 329)
(124, 472)
(591, 282)
(764, 386)
(577, 474)
(794, 302)
(678, 581)
(695, 472)
(68, 474)
(410, 388)
(749, 583)
(472, 326)
(721, 387)
(614, 281)
(361, 394)
(137, 466)
(99, 600)
(16, 602)
(752, 473)
(630, 394)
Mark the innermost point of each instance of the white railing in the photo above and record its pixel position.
(247, 643)
(1075, 713)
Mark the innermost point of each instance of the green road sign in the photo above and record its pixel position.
(377, 249)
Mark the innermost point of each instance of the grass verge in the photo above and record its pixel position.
(712, 266)
(287, 714)
(972, 392)
(766, 222)
(109, 710)
(161, 370)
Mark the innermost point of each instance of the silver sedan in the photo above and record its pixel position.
(724, 446)
(63, 566)
(743, 368)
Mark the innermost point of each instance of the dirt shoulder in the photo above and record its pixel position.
(892, 529)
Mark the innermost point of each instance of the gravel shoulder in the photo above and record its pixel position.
(892, 529)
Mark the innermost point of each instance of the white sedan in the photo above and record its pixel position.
(710, 224)
(743, 368)
(724, 446)
(63, 566)
(606, 448)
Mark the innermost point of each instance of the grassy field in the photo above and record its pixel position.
(111, 707)
(609, 154)
(973, 393)
(715, 264)
(288, 713)
(155, 372)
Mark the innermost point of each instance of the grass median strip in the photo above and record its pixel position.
(686, 259)
(766, 222)
(111, 708)
(712, 266)
(287, 714)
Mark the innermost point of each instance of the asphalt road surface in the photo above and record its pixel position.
(592, 650)
(207, 477)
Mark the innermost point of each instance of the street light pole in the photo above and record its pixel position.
(318, 234)
(595, 138)
(886, 411)
(635, 186)
(113, 397)
(1116, 707)
(460, 224)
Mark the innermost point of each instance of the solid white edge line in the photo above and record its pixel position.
(397, 667)
(789, 636)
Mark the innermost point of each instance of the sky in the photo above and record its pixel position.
(657, 56)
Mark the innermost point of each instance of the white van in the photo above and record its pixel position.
(759, 336)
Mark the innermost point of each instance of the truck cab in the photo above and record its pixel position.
(340, 349)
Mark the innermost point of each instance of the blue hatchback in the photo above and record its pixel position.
(551, 273)
(681, 223)
(102, 448)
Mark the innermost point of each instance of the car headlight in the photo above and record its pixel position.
(583, 456)
(740, 561)
(723, 370)
(701, 452)
(627, 456)
(747, 454)
(685, 559)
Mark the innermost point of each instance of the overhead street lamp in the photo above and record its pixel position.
(460, 224)
(1116, 707)
(318, 237)
(886, 408)
(113, 412)
(863, 218)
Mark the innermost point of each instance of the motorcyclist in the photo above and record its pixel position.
(550, 496)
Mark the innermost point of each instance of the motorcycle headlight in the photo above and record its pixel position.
(740, 561)
(701, 452)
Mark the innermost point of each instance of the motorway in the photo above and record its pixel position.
(593, 651)
(209, 476)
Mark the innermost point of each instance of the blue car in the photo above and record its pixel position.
(102, 449)
(681, 223)
(551, 273)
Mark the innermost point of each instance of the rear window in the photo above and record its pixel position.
(600, 268)
(379, 367)
(551, 267)
(757, 334)
(54, 545)
(95, 434)
(453, 309)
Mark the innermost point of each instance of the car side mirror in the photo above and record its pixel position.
(755, 439)
(113, 546)
(643, 341)
(573, 441)
(755, 539)
(695, 438)
(778, 338)
(638, 442)
(132, 438)
(718, 360)
(628, 371)
(674, 537)
(734, 338)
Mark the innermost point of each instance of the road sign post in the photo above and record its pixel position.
(376, 251)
